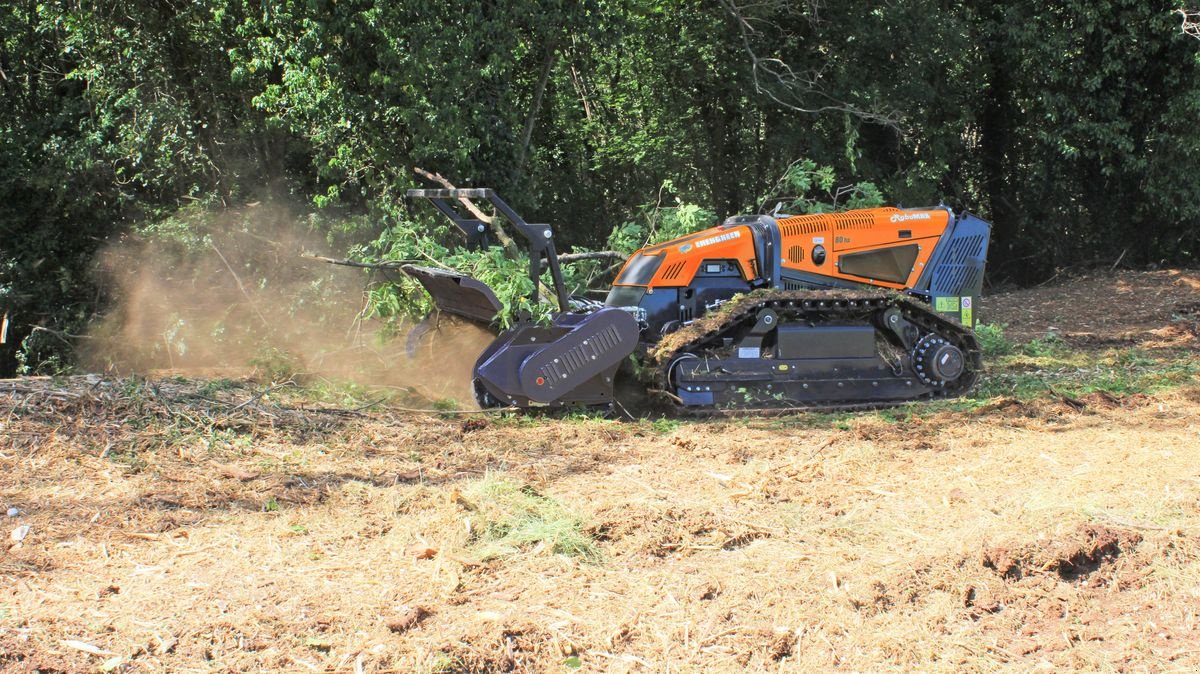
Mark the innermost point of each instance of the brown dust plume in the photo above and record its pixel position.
(245, 300)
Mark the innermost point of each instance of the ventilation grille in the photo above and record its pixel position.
(843, 221)
(957, 279)
(673, 271)
(795, 254)
(685, 314)
(965, 250)
(804, 224)
(961, 271)
(581, 354)
(789, 284)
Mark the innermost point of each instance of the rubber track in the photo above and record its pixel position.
(796, 305)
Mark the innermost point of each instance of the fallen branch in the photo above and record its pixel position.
(506, 241)
(258, 396)
(388, 265)
(1075, 403)
(470, 205)
(591, 255)
(392, 265)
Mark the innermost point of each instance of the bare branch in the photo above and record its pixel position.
(591, 255)
(437, 178)
(388, 265)
(539, 92)
(238, 280)
(1191, 22)
(62, 335)
(393, 265)
(506, 241)
(789, 89)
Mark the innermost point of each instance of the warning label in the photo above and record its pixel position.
(946, 303)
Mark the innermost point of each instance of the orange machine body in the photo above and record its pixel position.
(811, 244)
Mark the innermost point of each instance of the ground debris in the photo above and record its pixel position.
(102, 406)
(1081, 553)
(198, 525)
(408, 619)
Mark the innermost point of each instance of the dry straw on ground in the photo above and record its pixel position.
(185, 526)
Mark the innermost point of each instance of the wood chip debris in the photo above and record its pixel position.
(85, 647)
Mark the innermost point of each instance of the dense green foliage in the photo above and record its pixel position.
(1071, 126)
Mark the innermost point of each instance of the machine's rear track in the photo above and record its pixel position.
(772, 384)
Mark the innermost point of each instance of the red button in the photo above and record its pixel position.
(540, 380)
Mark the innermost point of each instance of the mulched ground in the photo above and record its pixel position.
(1104, 306)
(192, 525)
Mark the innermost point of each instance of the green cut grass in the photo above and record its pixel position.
(518, 518)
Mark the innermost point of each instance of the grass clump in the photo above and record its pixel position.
(1049, 362)
(1051, 345)
(993, 340)
(664, 425)
(217, 385)
(517, 518)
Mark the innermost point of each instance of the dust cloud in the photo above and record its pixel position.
(246, 301)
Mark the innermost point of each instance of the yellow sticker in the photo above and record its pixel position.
(967, 312)
(945, 304)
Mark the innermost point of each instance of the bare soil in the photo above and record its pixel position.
(191, 525)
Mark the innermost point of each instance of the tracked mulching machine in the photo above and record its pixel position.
(863, 308)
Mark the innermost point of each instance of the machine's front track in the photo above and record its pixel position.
(826, 350)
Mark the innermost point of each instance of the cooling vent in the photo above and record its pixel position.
(964, 250)
(673, 271)
(685, 314)
(795, 254)
(853, 221)
(961, 272)
(804, 224)
(956, 279)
